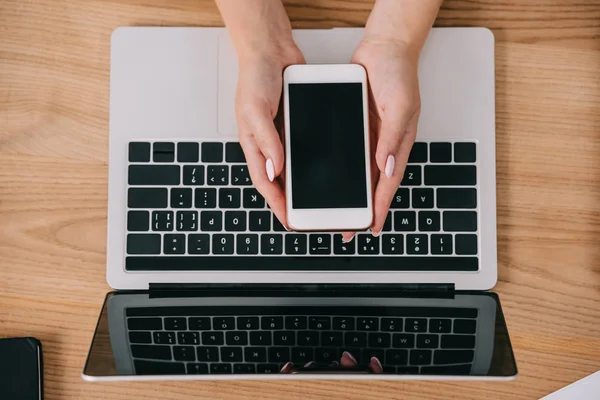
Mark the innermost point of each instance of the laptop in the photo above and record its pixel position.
(209, 285)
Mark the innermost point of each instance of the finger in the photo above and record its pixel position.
(347, 236)
(261, 125)
(375, 365)
(270, 190)
(287, 368)
(348, 360)
(389, 141)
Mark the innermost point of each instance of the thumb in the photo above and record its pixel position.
(267, 138)
(388, 145)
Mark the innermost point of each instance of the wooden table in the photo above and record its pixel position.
(54, 73)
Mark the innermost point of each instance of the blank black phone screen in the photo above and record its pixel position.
(327, 143)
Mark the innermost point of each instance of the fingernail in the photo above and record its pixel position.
(288, 364)
(308, 364)
(349, 239)
(377, 361)
(376, 234)
(271, 169)
(350, 356)
(389, 165)
(335, 363)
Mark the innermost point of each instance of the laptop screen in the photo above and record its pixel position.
(375, 335)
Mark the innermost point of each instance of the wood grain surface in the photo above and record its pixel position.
(54, 70)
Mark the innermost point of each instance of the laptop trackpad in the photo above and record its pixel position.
(322, 46)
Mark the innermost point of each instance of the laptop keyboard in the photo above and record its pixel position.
(194, 201)
(245, 340)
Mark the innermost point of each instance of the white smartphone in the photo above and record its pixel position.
(328, 167)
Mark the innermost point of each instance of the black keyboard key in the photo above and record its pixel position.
(367, 354)
(418, 153)
(440, 325)
(355, 339)
(367, 324)
(326, 355)
(367, 244)
(235, 221)
(212, 152)
(187, 152)
(147, 198)
(181, 198)
(247, 323)
(463, 369)
(193, 175)
(267, 369)
(190, 338)
(143, 367)
(240, 176)
(253, 199)
(152, 352)
(441, 244)
(247, 244)
(199, 323)
(186, 221)
(456, 198)
(422, 198)
(277, 226)
(343, 323)
(279, 354)
(332, 339)
(391, 324)
(255, 354)
(453, 356)
(197, 369)
(230, 198)
(412, 176)
(427, 341)
(440, 152)
(140, 337)
(458, 341)
(415, 325)
(405, 221)
(205, 198)
(295, 244)
(244, 368)
(321, 323)
(450, 175)
(271, 244)
(302, 355)
(212, 338)
(259, 221)
(163, 152)
(211, 221)
(403, 340)
(271, 323)
(138, 221)
(220, 369)
(460, 221)
(223, 323)
(465, 152)
(199, 244)
(162, 221)
(184, 353)
(284, 338)
(149, 175)
(143, 244)
(396, 357)
(174, 244)
(465, 325)
(207, 354)
(407, 370)
(296, 323)
(379, 339)
(319, 243)
(308, 338)
(139, 152)
(236, 338)
(231, 354)
(164, 337)
(429, 221)
(217, 175)
(401, 198)
(416, 244)
(176, 324)
(420, 357)
(387, 225)
(260, 338)
(466, 244)
(144, 324)
(234, 153)
(392, 244)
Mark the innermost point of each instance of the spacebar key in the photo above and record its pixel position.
(158, 368)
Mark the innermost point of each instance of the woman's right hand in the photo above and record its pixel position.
(258, 96)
